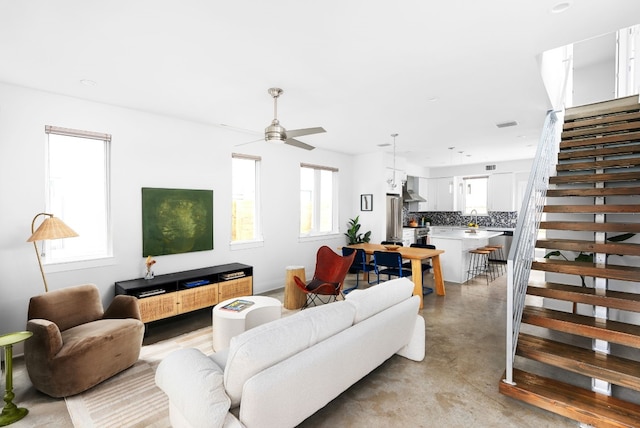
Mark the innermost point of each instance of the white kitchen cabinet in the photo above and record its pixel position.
(424, 191)
(408, 236)
(521, 181)
(445, 194)
(429, 191)
(501, 192)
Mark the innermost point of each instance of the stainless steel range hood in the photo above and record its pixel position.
(411, 196)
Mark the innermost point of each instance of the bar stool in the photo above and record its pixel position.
(496, 269)
(499, 257)
(479, 264)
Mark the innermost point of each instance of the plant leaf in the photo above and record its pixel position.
(619, 238)
(582, 257)
(552, 254)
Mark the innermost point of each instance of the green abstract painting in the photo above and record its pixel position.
(176, 221)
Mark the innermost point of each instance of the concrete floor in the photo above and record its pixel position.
(455, 386)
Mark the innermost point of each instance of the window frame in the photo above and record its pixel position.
(258, 232)
(466, 211)
(102, 258)
(314, 232)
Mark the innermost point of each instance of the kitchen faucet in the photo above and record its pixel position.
(474, 217)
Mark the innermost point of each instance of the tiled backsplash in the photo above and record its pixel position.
(455, 218)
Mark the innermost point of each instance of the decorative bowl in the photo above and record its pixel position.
(391, 247)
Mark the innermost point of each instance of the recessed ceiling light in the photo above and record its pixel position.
(88, 82)
(561, 7)
(432, 99)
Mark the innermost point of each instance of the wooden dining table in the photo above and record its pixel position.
(416, 255)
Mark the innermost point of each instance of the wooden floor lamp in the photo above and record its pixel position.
(51, 228)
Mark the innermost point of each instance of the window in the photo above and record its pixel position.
(78, 192)
(475, 194)
(318, 200)
(245, 190)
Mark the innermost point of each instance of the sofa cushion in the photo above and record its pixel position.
(268, 344)
(194, 384)
(375, 299)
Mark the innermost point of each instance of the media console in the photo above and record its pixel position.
(176, 293)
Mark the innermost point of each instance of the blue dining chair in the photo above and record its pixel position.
(389, 263)
(359, 265)
(426, 266)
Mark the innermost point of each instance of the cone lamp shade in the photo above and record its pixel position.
(51, 228)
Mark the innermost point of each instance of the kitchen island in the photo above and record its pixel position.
(456, 243)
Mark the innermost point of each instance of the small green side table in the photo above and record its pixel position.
(11, 413)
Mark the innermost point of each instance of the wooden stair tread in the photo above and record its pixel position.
(589, 296)
(594, 178)
(570, 401)
(600, 141)
(600, 144)
(579, 245)
(603, 129)
(581, 325)
(625, 149)
(623, 273)
(590, 226)
(594, 191)
(602, 108)
(603, 164)
(613, 209)
(621, 117)
(610, 368)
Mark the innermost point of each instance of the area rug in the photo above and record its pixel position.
(131, 398)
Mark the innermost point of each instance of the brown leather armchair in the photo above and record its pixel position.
(331, 270)
(75, 344)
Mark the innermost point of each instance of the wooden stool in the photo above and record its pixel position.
(478, 264)
(294, 298)
(499, 257)
(493, 269)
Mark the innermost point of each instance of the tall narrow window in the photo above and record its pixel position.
(245, 190)
(475, 195)
(78, 192)
(318, 200)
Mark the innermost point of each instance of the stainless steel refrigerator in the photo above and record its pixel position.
(394, 218)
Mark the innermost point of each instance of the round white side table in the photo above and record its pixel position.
(229, 323)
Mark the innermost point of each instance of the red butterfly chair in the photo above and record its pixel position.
(331, 269)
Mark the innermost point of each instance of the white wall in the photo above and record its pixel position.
(147, 151)
(479, 168)
(594, 72)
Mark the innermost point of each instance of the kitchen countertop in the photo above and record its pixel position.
(466, 233)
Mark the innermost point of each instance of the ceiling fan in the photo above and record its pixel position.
(276, 133)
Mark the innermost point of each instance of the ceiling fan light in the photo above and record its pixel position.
(275, 132)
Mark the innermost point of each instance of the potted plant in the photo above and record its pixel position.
(353, 237)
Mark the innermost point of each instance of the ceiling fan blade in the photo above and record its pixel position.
(241, 130)
(299, 144)
(249, 142)
(292, 133)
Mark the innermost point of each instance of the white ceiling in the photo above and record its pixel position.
(361, 69)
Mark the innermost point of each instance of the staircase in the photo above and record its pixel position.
(578, 354)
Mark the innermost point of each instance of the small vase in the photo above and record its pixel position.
(148, 274)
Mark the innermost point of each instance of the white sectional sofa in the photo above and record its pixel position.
(280, 373)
